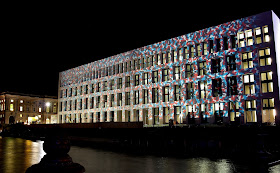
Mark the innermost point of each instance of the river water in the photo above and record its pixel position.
(16, 155)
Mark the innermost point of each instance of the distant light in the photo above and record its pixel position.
(48, 104)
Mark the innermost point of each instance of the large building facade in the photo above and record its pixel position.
(221, 74)
(27, 108)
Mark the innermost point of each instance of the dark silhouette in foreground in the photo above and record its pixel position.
(56, 160)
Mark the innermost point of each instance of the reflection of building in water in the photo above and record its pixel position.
(27, 108)
(221, 74)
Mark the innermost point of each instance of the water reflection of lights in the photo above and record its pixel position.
(19, 154)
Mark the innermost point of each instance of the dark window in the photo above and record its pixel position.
(211, 46)
(231, 64)
(189, 90)
(233, 41)
(225, 39)
(127, 81)
(127, 98)
(232, 85)
(119, 99)
(217, 87)
(218, 45)
(216, 65)
(105, 101)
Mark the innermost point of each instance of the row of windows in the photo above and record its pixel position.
(109, 101)
(260, 35)
(247, 62)
(268, 113)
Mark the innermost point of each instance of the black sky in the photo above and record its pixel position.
(38, 43)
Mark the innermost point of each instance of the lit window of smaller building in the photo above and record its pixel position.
(198, 47)
(247, 60)
(249, 37)
(241, 39)
(266, 82)
(192, 51)
(264, 56)
(11, 107)
(233, 110)
(265, 34)
(249, 84)
(268, 111)
(21, 101)
(20, 115)
(40, 109)
(250, 111)
(21, 108)
(258, 35)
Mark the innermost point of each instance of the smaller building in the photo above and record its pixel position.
(27, 108)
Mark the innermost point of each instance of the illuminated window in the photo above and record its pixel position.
(268, 111)
(155, 76)
(264, 56)
(176, 73)
(155, 95)
(265, 34)
(203, 89)
(98, 102)
(247, 60)
(192, 51)
(21, 101)
(136, 97)
(164, 58)
(250, 111)
(136, 80)
(119, 84)
(198, 47)
(165, 75)
(166, 114)
(112, 84)
(205, 48)
(40, 109)
(233, 110)
(177, 94)
(203, 110)
(156, 115)
(266, 82)
(145, 78)
(21, 108)
(180, 54)
(127, 98)
(178, 115)
(12, 101)
(258, 35)
(191, 113)
(241, 39)
(11, 107)
(189, 70)
(186, 52)
(165, 94)
(20, 115)
(155, 60)
(249, 84)
(86, 104)
(189, 90)
(249, 37)
(202, 68)
(145, 96)
(105, 101)
(98, 89)
(174, 56)
(127, 81)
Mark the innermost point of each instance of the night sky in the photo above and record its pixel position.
(38, 44)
